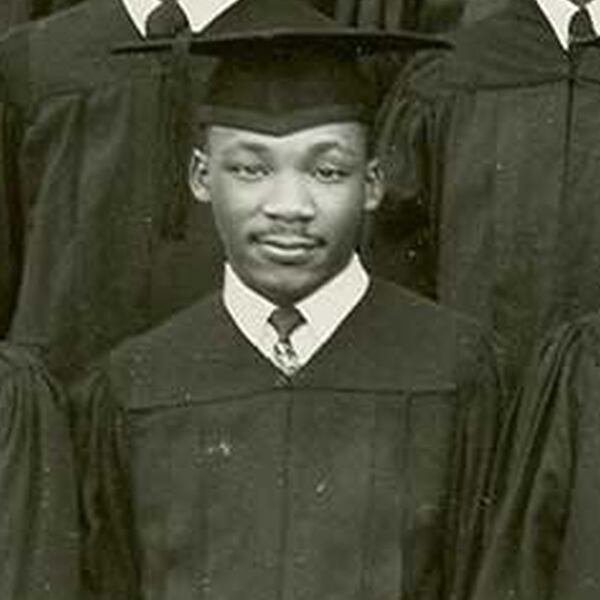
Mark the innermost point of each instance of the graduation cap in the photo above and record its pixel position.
(284, 66)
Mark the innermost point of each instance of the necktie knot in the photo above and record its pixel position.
(285, 320)
(166, 20)
(581, 29)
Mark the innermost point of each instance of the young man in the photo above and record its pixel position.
(305, 431)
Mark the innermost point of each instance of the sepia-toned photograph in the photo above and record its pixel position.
(299, 299)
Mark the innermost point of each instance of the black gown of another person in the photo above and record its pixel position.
(39, 539)
(491, 152)
(547, 544)
(94, 179)
(366, 475)
(434, 16)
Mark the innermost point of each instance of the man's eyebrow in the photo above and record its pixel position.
(326, 146)
(237, 145)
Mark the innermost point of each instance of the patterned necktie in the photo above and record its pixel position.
(285, 320)
(581, 30)
(166, 20)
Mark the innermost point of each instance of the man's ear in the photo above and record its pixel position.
(198, 175)
(374, 185)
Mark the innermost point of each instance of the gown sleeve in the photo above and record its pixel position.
(109, 564)
(38, 527)
(535, 474)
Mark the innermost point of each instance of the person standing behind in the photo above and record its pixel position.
(305, 431)
(95, 230)
(494, 144)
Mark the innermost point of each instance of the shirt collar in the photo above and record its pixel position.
(247, 308)
(559, 13)
(324, 309)
(200, 13)
(328, 306)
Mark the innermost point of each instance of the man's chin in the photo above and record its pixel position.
(285, 285)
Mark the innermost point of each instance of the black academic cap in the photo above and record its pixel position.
(284, 66)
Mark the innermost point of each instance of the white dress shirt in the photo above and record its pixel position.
(324, 311)
(200, 13)
(559, 13)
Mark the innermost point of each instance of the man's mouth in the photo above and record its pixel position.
(287, 247)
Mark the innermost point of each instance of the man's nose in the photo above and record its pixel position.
(289, 198)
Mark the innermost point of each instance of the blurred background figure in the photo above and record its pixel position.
(98, 228)
(492, 148)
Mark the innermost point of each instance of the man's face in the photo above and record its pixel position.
(288, 208)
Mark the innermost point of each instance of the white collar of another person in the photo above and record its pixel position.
(559, 13)
(200, 13)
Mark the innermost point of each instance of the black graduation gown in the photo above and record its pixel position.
(365, 476)
(97, 180)
(547, 540)
(38, 524)
(494, 145)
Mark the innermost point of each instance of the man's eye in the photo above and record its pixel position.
(248, 171)
(330, 173)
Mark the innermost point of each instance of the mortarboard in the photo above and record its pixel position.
(284, 66)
